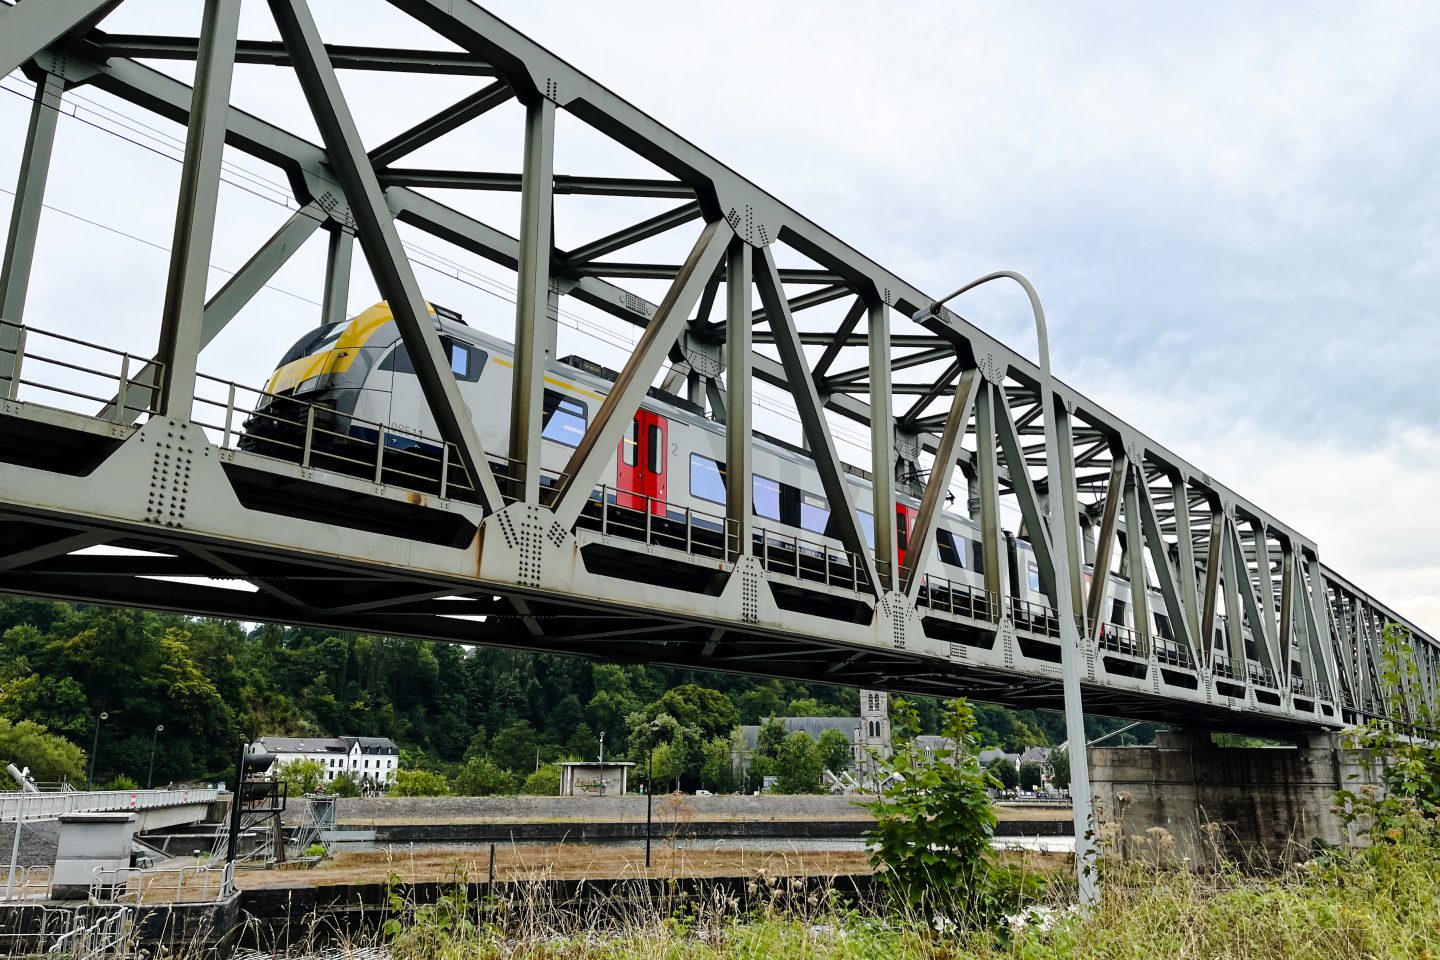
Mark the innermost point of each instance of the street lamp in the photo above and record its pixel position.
(1064, 606)
(150, 777)
(650, 789)
(95, 749)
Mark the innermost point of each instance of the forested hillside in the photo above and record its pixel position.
(212, 683)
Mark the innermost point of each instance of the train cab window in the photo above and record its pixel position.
(707, 479)
(867, 527)
(630, 446)
(466, 361)
(398, 360)
(563, 419)
(656, 453)
(814, 512)
(1034, 570)
(1162, 627)
(945, 546)
(766, 496)
(1117, 612)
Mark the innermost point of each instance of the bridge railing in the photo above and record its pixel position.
(805, 558)
(66, 373)
(959, 599)
(26, 883)
(47, 806)
(651, 520)
(1118, 638)
(202, 883)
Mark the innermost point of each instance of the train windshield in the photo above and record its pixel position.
(316, 341)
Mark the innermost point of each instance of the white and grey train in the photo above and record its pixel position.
(357, 372)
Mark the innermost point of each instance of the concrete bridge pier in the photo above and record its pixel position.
(1186, 797)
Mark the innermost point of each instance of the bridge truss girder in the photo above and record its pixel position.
(519, 548)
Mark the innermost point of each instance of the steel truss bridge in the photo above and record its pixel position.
(356, 543)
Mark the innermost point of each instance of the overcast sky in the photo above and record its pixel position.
(1232, 212)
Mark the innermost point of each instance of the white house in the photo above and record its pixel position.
(363, 758)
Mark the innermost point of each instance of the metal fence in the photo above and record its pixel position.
(15, 805)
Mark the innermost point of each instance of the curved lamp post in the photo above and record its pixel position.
(1064, 605)
(150, 777)
(95, 749)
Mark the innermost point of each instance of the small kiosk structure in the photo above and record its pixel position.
(585, 778)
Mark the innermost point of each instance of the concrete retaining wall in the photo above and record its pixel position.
(378, 810)
(1257, 805)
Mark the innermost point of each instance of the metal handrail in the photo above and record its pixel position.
(661, 523)
(48, 806)
(958, 599)
(787, 554)
(119, 403)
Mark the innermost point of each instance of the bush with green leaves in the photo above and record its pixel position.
(120, 782)
(1004, 772)
(302, 776)
(343, 785)
(419, 783)
(933, 827)
(799, 765)
(1402, 748)
(50, 757)
(544, 782)
(480, 777)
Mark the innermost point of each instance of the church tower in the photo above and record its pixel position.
(873, 734)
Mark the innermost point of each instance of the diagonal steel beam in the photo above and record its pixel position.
(1170, 591)
(29, 28)
(451, 118)
(896, 363)
(381, 242)
(929, 394)
(840, 338)
(921, 545)
(1025, 495)
(183, 313)
(598, 445)
(807, 300)
(1264, 641)
(239, 290)
(1105, 543)
(644, 230)
(25, 218)
(812, 415)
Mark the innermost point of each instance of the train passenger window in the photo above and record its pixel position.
(814, 512)
(631, 444)
(945, 544)
(766, 496)
(1162, 627)
(867, 526)
(1117, 612)
(1034, 569)
(902, 530)
(707, 479)
(977, 556)
(563, 418)
(657, 450)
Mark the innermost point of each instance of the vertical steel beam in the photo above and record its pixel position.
(183, 316)
(380, 241)
(1135, 551)
(1214, 568)
(882, 447)
(1105, 542)
(812, 413)
(1287, 614)
(739, 408)
(992, 534)
(339, 255)
(598, 445)
(1064, 496)
(27, 29)
(228, 301)
(1235, 570)
(1189, 590)
(921, 545)
(532, 337)
(1266, 598)
(25, 216)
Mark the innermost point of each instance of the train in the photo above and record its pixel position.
(670, 463)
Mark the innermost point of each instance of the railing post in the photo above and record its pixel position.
(444, 468)
(380, 454)
(309, 436)
(648, 513)
(604, 511)
(689, 529)
(124, 385)
(229, 416)
(14, 384)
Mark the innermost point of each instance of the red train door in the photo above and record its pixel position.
(904, 520)
(640, 476)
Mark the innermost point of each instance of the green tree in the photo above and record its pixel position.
(934, 824)
(1004, 771)
(835, 753)
(344, 786)
(419, 783)
(1030, 774)
(302, 776)
(564, 718)
(709, 712)
(583, 744)
(515, 747)
(1060, 769)
(770, 738)
(799, 766)
(904, 722)
(480, 777)
(715, 767)
(50, 758)
(544, 782)
(807, 707)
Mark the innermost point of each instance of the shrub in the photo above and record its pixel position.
(480, 777)
(120, 782)
(344, 785)
(544, 782)
(419, 783)
(50, 757)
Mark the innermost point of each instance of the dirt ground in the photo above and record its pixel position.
(1024, 812)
